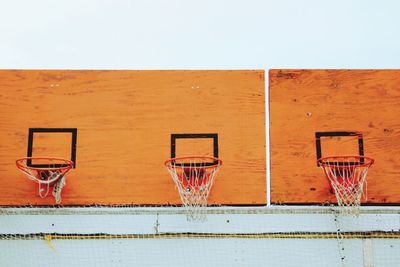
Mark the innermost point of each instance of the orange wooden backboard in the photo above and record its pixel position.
(117, 127)
(306, 102)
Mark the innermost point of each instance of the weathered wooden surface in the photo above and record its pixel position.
(124, 121)
(303, 102)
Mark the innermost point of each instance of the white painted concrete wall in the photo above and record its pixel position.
(198, 251)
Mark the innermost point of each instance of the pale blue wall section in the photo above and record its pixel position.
(178, 252)
(148, 249)
(197, 252)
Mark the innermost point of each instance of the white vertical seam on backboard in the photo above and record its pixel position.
(267, 138)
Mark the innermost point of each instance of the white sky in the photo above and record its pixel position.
(206, 34)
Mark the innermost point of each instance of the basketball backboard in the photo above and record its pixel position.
(119, 127)
(319, 113)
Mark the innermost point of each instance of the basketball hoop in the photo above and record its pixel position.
(194, 177)
(46, 172)
(347, 176)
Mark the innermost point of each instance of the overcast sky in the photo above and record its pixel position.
(206, 34)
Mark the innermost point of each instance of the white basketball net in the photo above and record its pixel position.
(347, 175)
(47, 177)
(194, 178)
